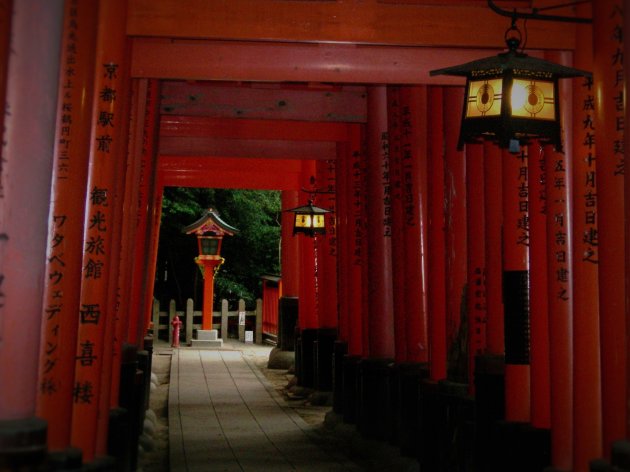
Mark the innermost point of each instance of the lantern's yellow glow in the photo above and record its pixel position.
(533, 99)
(309, 221)
(302, 221)
(484, 98)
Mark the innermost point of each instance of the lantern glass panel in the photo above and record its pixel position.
(533, 99)
(302, 220)
(318, 221)
(484, 98)
(209, 246)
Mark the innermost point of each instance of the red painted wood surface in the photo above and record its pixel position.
(476, 251)
(427, 24)
(153, 226)
(560, 304)
(307, 316)
(263, 130)
(356, 244)
(95, 310)
(290, 249)
(626, 26)
(538, 288)
(560, 265)
(209, 267)
(254, 148)
(141, 216)
(436, 283)
(342, 222)
(515, 260)
(415, 119)
(25, 184)
(111, 348)
(493, 196)
(271, 296)
(587, 397)
(267, 101)
(6, 8)
(608, 95)
(379, 227)
(139, 93)
(327, 247)
(264, 174)
(294, 62)
(455, 237)
(394, 173)
(62, 281)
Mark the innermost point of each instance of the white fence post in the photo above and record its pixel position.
(224, 319)
(189, 320)
(241, 320)
(259, 320)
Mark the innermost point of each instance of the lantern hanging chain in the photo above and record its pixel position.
(516, 40)
(534, 14)
(563, 5)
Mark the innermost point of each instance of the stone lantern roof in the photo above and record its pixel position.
(210, 222)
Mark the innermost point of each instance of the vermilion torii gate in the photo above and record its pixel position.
(107, 102)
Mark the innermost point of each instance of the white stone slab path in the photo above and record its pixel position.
(225, 416)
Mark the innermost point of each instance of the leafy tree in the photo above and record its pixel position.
(251, 253)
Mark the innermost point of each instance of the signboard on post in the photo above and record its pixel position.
(241, 318)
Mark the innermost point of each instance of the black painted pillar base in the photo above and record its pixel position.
(489, 408)
(306, 376)
(351, 397)
(130, 388)
(297, 345)
(620, 456)
(119, 437)
(148, 347)
(287, 322)
(375, 415)
(70, 459)
(22, 443)
(430, 424)
(142, 397)
(446, 426)
(599, 465)
(457, 442)
(323, 358)
(521, 448)
(101, 464)
(410, 376)
(394, 404)
(340, 349)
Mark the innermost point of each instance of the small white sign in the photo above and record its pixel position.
(241, 318)
(249, 336)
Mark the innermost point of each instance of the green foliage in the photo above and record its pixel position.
(251, 253)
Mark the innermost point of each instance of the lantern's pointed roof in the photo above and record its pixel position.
(512, 60)
(210, 222)
(310, 209)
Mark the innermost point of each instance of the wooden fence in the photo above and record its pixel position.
(236, 324)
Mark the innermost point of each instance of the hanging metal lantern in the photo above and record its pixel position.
(309, 219)
(512, 97)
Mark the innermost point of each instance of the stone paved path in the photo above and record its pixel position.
(225, 416)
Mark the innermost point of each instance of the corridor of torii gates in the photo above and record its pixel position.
(468, 306)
